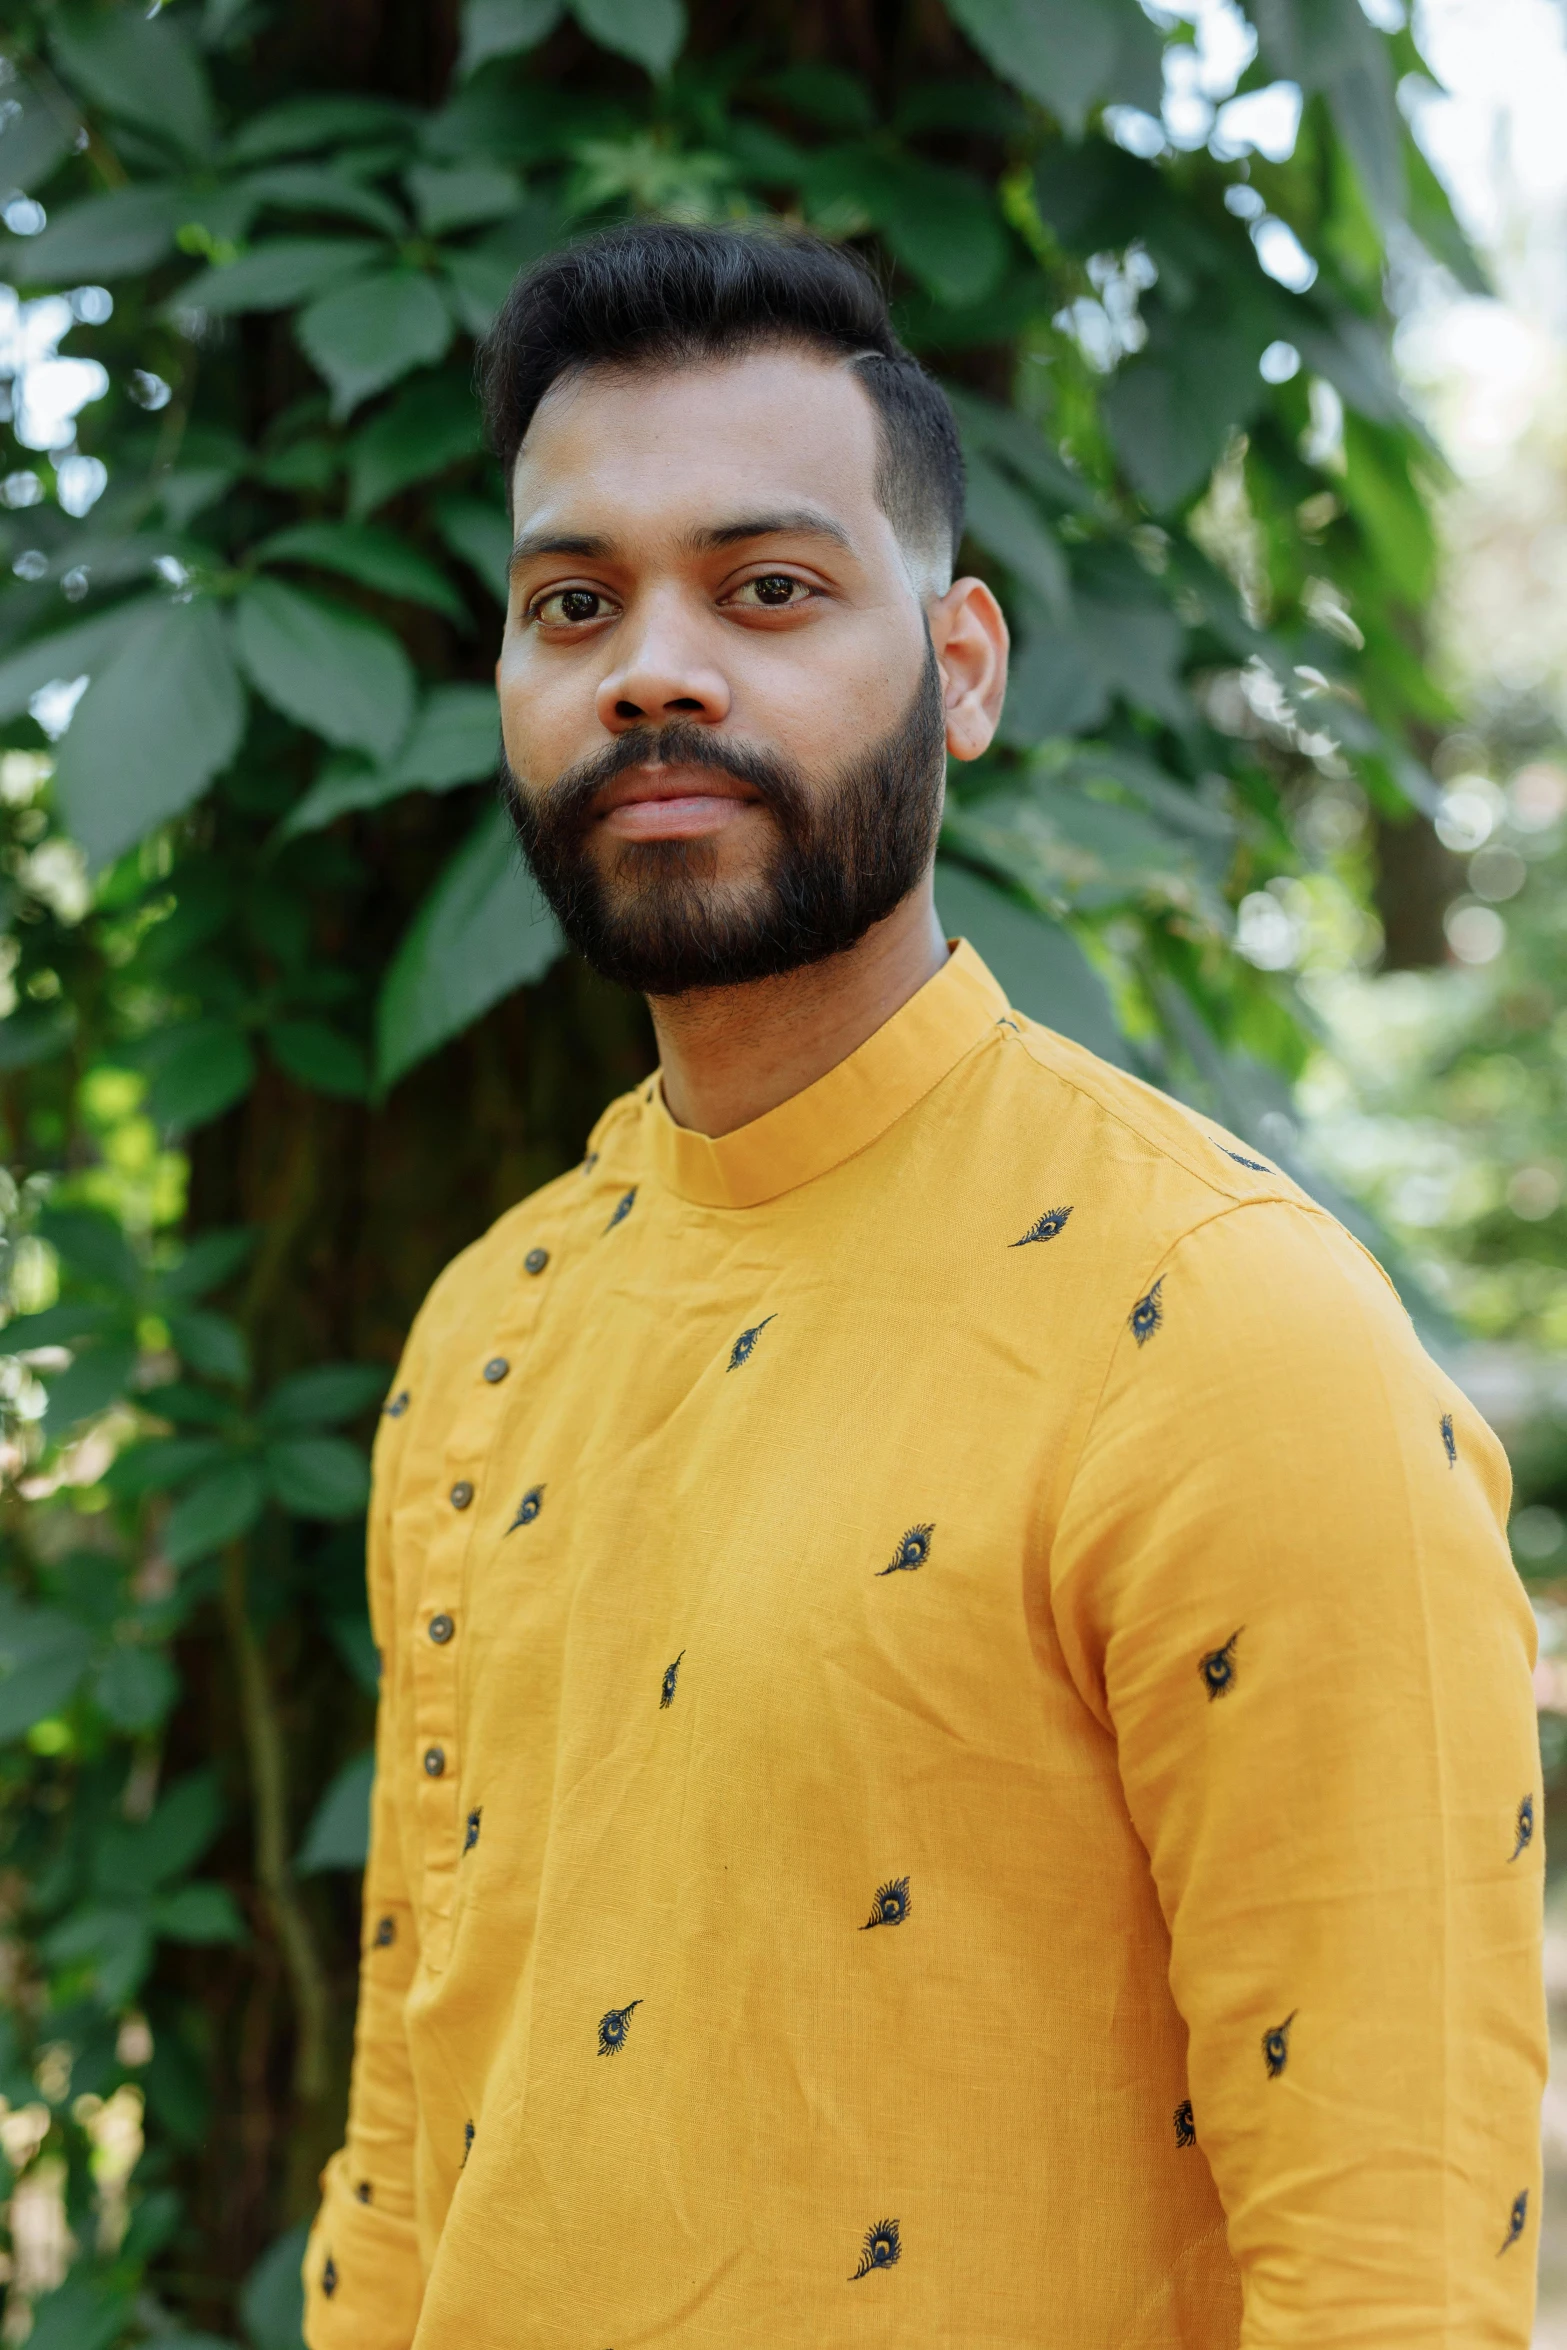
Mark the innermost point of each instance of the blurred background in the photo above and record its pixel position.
(1256, 321)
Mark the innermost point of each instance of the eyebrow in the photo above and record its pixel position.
(786, 522)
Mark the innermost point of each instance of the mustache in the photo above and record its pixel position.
(567, 805)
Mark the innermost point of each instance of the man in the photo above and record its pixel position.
(956, 1760)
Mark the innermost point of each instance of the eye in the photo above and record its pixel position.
(569, 607)
(775, 591)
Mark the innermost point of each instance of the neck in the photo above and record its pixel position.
(731, 1054)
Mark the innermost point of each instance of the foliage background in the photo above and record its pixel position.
(261, 1074)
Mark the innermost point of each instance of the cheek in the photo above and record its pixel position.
(816, 693)
(547, 716)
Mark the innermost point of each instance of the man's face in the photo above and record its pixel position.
(722, 713)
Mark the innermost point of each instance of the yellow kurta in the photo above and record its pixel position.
(956, 1762)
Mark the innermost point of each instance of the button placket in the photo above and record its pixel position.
(465, 1491)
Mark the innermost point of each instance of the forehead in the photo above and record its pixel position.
(667, 446)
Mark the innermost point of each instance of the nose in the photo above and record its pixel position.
(663, 675)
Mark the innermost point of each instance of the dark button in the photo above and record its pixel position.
(536, 1260)
(386, 1933)
(364, 2191)
(441, 1630)
(434, 1761)
(462, 1494)
(496, 1369)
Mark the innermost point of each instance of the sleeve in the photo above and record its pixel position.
(1281, 1579)
(364, 2279)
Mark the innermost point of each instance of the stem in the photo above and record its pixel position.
(264, 1747)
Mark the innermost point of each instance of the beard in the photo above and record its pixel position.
(658, 919)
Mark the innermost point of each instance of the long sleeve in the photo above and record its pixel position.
(1281, 1580)
(364, 2279)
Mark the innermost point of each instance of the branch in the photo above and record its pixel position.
(264, 1747)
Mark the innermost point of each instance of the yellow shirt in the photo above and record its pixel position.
(956, 1764)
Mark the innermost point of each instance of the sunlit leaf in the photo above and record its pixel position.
(1065, 54)
(122, 768)
(365, 335)
(482, 931)
(326, 666)
(68, 653)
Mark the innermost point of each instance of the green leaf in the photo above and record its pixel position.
(85, 2313)
(1040, 964)
(320, 1056)
(43, 1655)
(320, 1397)
(1170, 413)
(122, 768)
(479, 276)
(326, 667)
(500, 28)
(272, 2298)
(302, 125)
(36, 136)
(140, 1859)
(649, 32)
(38, 1032)
(114, 1939)
(338, 1836)
(826, 94)
(135, 1687)
(144, 70)
(200, 1069)
(461, 195)
(481, 535)
(97, 1378)
(93, 1244)
(363, 336)
(210, 1259)
(187, 1406)
(482, 931)
(159, 1462)
(58, 1325)
(376, 558)
(218, 1509)
(941, 224)
(317, 1476)
(211, 1344)
(314, 187)
(198, 1913)
(431, 425)
(455, 739)
(69, 652)
(1061, 52)
(102, 238)
(1004, 519)
(277, 274)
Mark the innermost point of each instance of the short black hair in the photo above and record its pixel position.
(652, 293)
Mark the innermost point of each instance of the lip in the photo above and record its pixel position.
(672, 803)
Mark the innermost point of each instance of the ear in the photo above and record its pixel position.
(969, 632)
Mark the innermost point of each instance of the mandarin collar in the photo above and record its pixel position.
(841, 1113)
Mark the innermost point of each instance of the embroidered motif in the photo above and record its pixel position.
(365, 2191)
(1524, 1826)
(386, 1933)
(1515, 2221)
(471, 1835)
(614, 2027)
(1006, 1021)
(329, 2277)
(913, 1548)
(528, 1508)
(1276, 2045)
(891, 1905)
(467, 2143)
(623, 1208)
(1050, 1223)
(745, 1345)
(1146, 1316)
(1449, 1441)
(395, 1406)
(666, 1687)
(1218, 1667)
(882, 2248)
(1255, 1165)
(1185, 2127)
(590, 1162)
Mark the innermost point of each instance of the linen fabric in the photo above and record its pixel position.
(956, 1763)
